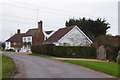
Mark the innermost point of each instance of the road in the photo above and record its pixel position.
(38, 67)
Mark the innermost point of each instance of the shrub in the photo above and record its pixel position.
(36, 49)
(46, 49)
(65, 51)
(75, 51)
(111, 52)
(12, 50)
(118, 57)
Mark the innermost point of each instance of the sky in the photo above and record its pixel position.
(24, 14)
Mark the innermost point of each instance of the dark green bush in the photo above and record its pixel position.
(36, 49)
(12, 50)
(111, 52)
(46, 49)
(75, 51)
(65, 51)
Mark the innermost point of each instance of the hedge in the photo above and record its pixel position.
(43, 49)
(112, 52)
(65, 51)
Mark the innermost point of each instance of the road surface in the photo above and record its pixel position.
(38, 67)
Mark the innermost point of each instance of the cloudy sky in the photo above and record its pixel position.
(22, 14)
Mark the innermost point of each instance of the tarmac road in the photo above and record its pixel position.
(38, 67)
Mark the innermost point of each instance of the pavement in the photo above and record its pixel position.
(29, 66)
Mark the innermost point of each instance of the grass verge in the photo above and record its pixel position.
(7, 66)
(106, 67)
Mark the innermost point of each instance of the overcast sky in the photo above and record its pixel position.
(22, 14)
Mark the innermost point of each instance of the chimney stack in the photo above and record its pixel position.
(40, 25)
(18, 31)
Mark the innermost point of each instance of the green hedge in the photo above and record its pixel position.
(75, 51)
(43, 49)
(65, 51)
(112, 52)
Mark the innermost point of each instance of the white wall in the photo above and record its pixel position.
(7, 45)
(48, 35)
(26, 39)
(75, 38)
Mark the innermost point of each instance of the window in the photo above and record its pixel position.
(29, 39)
(24, 39)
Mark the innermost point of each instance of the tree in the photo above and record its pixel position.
(92, 28)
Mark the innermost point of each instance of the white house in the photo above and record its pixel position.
(69, 36)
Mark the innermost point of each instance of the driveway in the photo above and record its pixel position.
(38, 67)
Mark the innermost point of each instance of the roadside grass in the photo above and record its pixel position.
(106, 67)
(7, 66)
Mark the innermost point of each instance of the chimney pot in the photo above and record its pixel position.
(18, 31)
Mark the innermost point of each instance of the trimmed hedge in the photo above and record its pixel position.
(112, 52)
(65, 51)
(75, 51)
(43, 49)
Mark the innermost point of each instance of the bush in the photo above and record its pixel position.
(118, 57)
(65, 51)
(12, 50)
(46, 49)
(75, 51)
(111, 52)
(36, 49)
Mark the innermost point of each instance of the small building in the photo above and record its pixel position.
(69, 36)
(15, 42)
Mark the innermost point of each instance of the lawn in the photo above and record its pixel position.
(106, 67)
(7, 66)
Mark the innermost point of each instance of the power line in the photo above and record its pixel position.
(17, 21)
(47, 11)
(53, 9)
(13, 21)
(50, 10)
(7, 15)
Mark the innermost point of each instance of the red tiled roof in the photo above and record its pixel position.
(16, 38)
(59, 34)
(31, 32)
(37, 35)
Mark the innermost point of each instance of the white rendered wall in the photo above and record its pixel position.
(7, 45)
(75, 38)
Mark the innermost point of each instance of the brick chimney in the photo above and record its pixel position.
(40, 25)
(18, 31)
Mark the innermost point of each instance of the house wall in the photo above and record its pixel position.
(7, 45)
(26, 39)
(74, 38)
